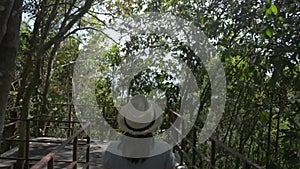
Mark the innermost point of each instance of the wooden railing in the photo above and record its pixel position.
(214, 142)
(189, 158)
(49, 158)
(23, 141)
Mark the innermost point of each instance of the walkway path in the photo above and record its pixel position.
(38, 150)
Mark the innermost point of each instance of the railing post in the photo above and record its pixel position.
(213, 154)
(37, 127)
(182, 144)
(194, 146)
(37, 118)
(75, 143)
(50, 164)
(88, 140)
(246, 166)
(69, 120)
(27, 125)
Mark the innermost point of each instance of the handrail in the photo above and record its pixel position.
(235, 153)
(215, 142)
(199, 152)
(48, 159)
(211, 160)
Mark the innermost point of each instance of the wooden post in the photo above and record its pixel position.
(213, 154)
(75, 146)
(88, 140)
(246, 166)
(182, 144)
(194, 146)
(37, 127)
(69, 120)
(51, 163)
(27, 144)
(37, 117)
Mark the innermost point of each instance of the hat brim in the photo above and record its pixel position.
(123, 123)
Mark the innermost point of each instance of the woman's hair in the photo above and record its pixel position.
(125, 145)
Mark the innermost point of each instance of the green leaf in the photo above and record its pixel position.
(274, 9)
(269, 32)
(281, 18)
(268, 12)
(168, 3)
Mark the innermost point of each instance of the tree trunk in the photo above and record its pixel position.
(10, 19)
(5, 12)
(25, 111)
(39, 54)
(268, 152)
(48, 80)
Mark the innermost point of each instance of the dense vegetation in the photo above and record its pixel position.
(258, 43)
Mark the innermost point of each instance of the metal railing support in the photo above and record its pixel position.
(246, 166)
(88, 141)
(194, 145)
(69, 119)
(50, 164)
(213, 154)
(27, 125)
(75, 146)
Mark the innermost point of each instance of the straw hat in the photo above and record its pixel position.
(140, 116)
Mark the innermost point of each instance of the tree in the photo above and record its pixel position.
(54, 22)
(10, 20)
(258, 42)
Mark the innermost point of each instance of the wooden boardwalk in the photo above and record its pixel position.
(37, 150)
(43, 151)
